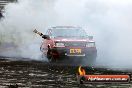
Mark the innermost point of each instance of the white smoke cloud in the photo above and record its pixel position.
(17, 27)
(110, 23)
(108, 20)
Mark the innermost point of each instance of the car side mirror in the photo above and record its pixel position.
(46, 36)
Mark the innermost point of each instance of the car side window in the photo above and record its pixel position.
(49, 32)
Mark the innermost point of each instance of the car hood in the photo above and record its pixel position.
(72, 40)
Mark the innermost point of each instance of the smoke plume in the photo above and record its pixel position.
(109, 21)
(16, 28)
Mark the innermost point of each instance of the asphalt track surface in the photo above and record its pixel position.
(36, 74)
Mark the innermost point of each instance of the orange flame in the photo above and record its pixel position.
(81, 71)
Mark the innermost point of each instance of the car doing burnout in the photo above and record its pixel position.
(66, 43)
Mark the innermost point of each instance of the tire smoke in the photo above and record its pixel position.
(16, 28)
(108, 21)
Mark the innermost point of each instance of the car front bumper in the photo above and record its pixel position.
(65, 51)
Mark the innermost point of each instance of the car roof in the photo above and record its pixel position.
(65, 27)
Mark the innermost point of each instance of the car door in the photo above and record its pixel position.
(47, 42)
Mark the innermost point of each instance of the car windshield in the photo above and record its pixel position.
(72, 32)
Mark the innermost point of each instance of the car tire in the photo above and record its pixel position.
(50, 56)
(89, 60)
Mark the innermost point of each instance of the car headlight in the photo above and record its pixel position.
(90, 44)
(58, 44)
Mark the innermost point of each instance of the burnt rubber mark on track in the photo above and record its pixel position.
(37, 74)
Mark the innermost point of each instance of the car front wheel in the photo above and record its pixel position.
(89, 60)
